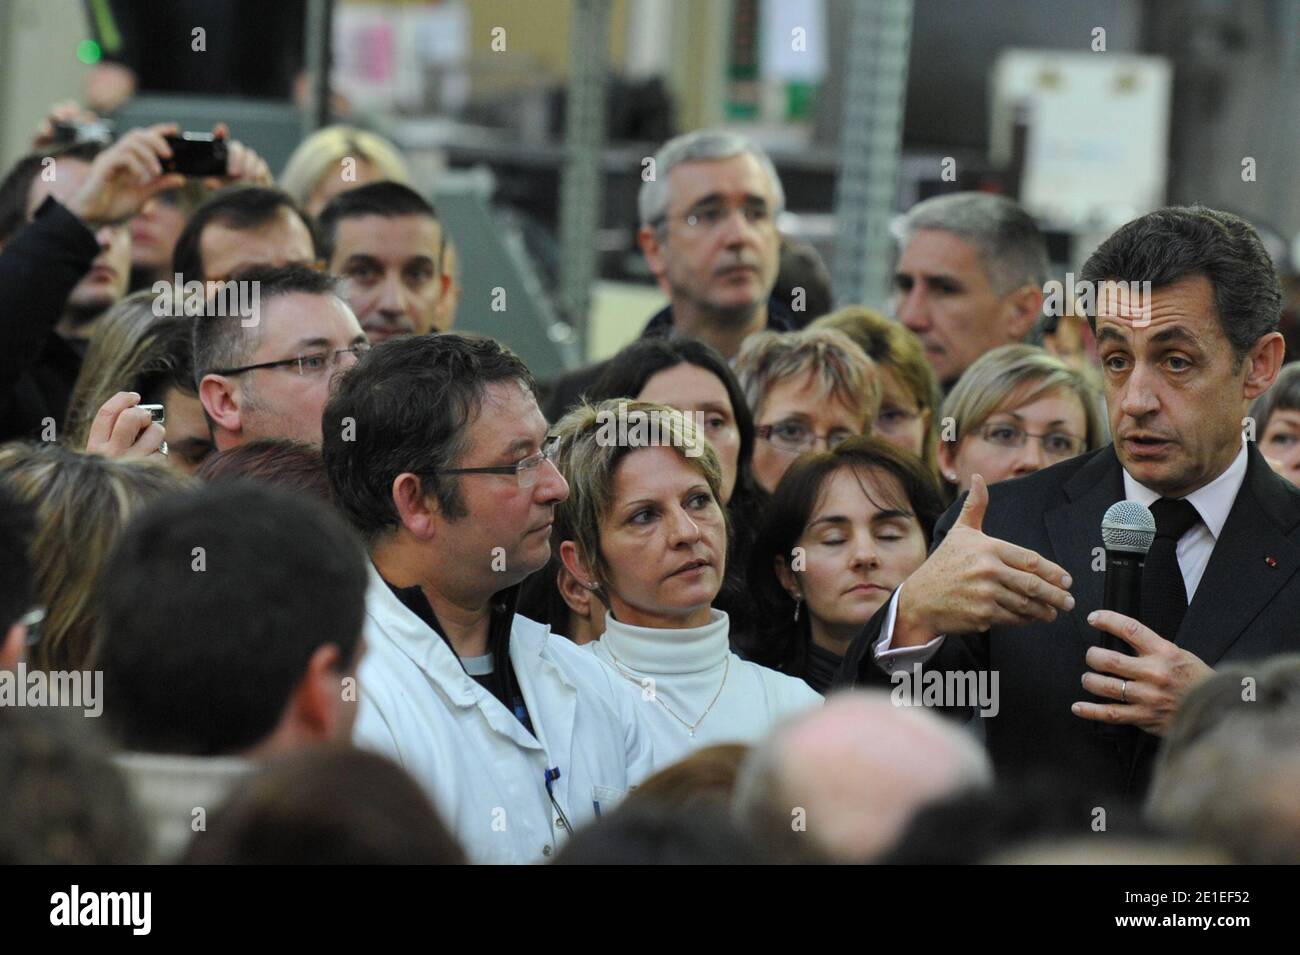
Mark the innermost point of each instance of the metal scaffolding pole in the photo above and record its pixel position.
(875, 89)
(582, 183)
(316, 44)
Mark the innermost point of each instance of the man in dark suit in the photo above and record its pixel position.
(1016, 574)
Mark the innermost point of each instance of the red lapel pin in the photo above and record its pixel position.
(1270, 561)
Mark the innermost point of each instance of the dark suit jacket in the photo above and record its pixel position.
(40, 266)
(1246, 607)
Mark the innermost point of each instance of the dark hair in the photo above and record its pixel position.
(1168, 245)
(782, 645)
(174, 365)
(65, 803)
(223, 341)
(16, 187)
(17, 580)
(387, 199)
(539, 593)
(216, 602)
(651, 835)
(970, 826)
(802, 267)
(409, 405)
(624, 376)
(293, 465)
(329, 805)
(235, 207)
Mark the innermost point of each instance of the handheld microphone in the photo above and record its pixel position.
(1127, 531)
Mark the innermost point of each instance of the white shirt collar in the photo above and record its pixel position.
(654, 650)
(1212, 502)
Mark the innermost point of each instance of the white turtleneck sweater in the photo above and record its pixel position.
(680, 671)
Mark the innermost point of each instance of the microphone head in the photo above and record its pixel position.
(1128, 526)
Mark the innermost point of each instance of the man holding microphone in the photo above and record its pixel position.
(1013, 583)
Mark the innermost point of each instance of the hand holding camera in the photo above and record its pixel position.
(125, 175)
(154, 159)
(124, 428)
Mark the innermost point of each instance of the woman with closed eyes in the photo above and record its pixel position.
(844, 529)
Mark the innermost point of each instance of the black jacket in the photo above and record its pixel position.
(567, 390)
(39, 268)
(1246, 607)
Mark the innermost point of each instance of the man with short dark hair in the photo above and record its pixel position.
(437, 451)
(969, 277)
(232, 628)
(268, 374)
(241, 227)
(1012, 585)
(386, 244)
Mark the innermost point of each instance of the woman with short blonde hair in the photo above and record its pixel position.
(910, 393)
(649, 538)
(81, 503)
(307, 175)
(805, 388)
(1015, 410)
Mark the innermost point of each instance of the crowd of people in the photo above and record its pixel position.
(775, 583)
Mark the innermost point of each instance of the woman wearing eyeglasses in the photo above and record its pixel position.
(649, 540)
(1016, 410)
(808, 391)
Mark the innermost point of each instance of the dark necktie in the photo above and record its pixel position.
(1164, 596)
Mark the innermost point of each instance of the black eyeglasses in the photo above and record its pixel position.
(309, 364)
(526, 471)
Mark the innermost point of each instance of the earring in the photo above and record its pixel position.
(950, 478)
(798, 602)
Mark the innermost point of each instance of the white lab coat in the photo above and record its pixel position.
(482, 769)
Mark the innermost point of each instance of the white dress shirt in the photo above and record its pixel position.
(1213, 502)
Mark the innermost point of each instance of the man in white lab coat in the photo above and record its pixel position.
(436, 450)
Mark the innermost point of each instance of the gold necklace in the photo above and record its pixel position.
(690, 727)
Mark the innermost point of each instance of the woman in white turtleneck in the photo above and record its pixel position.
(645, 532)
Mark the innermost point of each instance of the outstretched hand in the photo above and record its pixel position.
(973, 582)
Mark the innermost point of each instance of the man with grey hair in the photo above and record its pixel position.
(708, 209)
(970, 276)
(1235, 788)
(841, 783)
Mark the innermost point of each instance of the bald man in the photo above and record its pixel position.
(842, 782)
